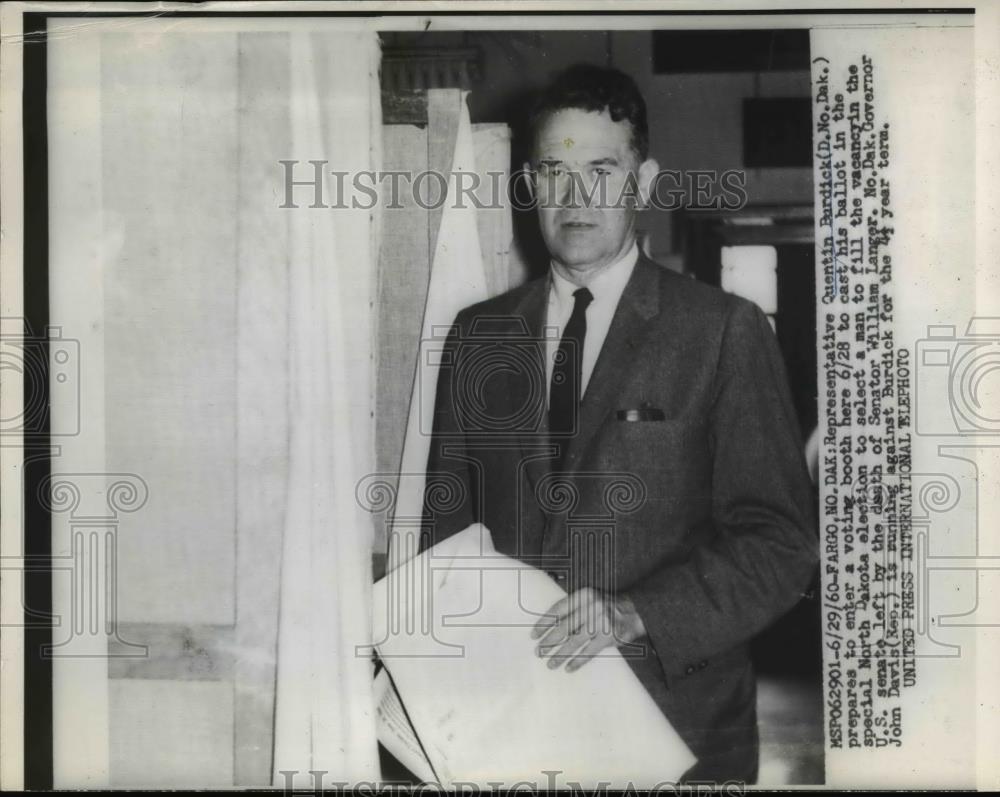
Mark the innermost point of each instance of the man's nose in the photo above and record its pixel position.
(570, 195)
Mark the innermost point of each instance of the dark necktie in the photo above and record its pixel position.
(567, 370)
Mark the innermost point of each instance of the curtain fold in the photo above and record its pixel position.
(222, 361)
(324, 710)
(457, 280)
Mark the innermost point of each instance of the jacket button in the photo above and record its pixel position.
(689, 670)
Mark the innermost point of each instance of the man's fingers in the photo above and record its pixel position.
(567, 649)
(557, 634)
(579, 631)
(548, 620)
(594, 646)
(569, 607)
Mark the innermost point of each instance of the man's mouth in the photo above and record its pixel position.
(575, 226)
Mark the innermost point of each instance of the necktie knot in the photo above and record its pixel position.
(582, 297)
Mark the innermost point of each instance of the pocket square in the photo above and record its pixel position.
(641, 414)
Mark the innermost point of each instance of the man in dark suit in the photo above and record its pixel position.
(630, 431)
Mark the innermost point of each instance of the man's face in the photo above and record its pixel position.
(580, 153)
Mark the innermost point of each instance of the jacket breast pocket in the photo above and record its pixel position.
(670, 456)
(641, 415)
(656, 432)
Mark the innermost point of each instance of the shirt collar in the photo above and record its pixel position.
(608, 284)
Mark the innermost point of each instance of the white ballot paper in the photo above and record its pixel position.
(453, 628)
(395, 731)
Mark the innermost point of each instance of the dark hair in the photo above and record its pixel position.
(596, 88)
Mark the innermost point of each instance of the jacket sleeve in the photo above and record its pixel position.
(449, 492)
(765, 548)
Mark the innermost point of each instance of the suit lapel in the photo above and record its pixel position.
(638, 305)
(640, 302)
(523, 390)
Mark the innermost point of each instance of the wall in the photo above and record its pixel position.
(695, 122)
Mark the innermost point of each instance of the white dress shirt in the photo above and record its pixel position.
(606, 287)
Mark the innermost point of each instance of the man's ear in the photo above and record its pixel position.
(648, 170)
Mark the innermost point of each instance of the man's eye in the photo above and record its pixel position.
(601, 170)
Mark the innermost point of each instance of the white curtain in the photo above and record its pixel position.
(324, 717)
(225, 363)
(457, 280)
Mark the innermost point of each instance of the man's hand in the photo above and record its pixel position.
(584, 623)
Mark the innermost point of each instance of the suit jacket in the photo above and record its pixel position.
(683, 485)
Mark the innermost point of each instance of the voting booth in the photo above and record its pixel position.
(250, 373)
